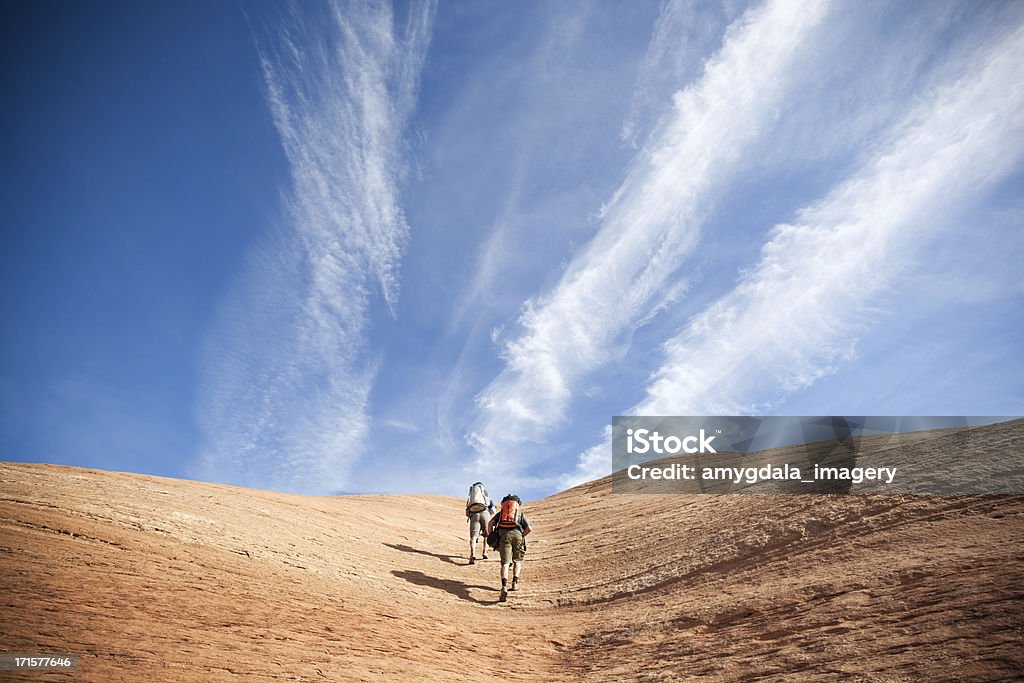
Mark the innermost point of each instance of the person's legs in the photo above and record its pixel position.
(483, 533)
(474, 532)
(518, 556)
(505, 548)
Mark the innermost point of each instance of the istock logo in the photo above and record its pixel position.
(647, 441)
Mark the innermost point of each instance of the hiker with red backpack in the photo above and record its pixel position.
(512, 527)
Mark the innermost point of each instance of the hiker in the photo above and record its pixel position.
(512, 527)
(479, 508)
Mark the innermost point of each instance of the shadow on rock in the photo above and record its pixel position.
(456, 588)
(409, 549)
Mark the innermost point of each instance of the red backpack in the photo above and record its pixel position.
(510, 515)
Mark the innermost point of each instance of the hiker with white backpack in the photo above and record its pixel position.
(479, 508)
(512, 528)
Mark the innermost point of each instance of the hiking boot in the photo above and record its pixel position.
(472, 560)
(515, 584)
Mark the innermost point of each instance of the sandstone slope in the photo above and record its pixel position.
(159, 579)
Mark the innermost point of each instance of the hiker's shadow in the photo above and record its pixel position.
(456, 588)
(409, 549)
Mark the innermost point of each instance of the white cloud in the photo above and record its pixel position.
(286, 374)
(797, 314)
(400, 425)
(648, 228)
(683, 35)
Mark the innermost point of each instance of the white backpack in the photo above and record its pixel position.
(477, 501)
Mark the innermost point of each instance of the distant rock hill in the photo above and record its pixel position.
(152, 579)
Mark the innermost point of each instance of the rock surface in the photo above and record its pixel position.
(156, 579)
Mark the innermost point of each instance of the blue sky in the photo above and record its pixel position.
(362, 247)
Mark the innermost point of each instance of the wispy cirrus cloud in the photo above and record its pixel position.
(287, 372)
(648, 229)
(796, 315)
(684, 34)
